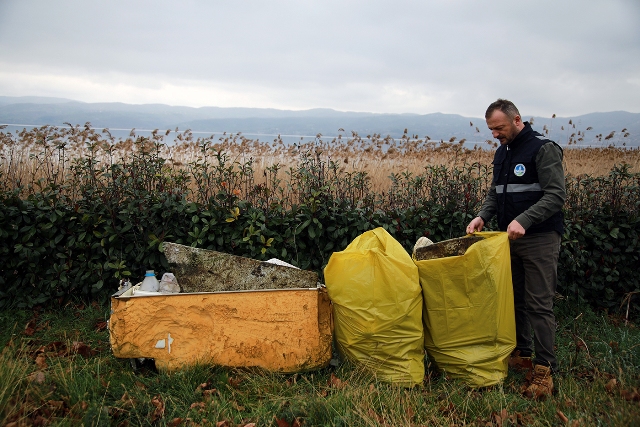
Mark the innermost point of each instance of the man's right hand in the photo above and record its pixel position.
(476, 224)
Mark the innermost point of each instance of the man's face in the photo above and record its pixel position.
(503, 128)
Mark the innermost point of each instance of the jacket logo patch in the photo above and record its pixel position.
(519, 170)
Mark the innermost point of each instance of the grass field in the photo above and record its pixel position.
(56, 369)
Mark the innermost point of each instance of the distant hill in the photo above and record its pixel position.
(36, 111)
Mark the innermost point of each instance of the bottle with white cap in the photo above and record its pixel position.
(150, 283)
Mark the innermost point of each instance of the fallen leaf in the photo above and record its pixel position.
(82, 349)
(250, 425)
(611, 385)
(116, 412)
(140, 385)
(446, 410)
(40, 421)
(101, 326)
(500, 418)
(296, 422)
(58, 348)
(200, 405)
(175, 422)
(282, 422)
(209, 393)
(159, 411)
(37, 377)
(631, 395)
(30, 327)
(203, 386)
(293, 380)
(337, 382)
(41, 361)
(562, 416)
(237, 407)
(235, 381)
(206, 390)
(410, 412)
(222, 423)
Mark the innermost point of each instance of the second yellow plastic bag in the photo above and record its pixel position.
(377, 302)
(468, 311)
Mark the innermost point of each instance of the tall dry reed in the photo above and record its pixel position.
(46, 155)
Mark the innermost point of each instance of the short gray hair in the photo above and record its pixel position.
(506, 106)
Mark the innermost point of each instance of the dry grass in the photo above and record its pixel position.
(48, 153)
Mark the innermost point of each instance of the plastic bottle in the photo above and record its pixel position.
(150, 283)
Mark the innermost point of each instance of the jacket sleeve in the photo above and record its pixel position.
(490, 205)
(552, 181)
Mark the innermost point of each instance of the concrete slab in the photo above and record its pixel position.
(202, 270)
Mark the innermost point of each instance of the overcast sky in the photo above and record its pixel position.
(565, 57)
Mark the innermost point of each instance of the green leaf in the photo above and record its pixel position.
(303, 226)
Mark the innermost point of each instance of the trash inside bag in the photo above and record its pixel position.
(422, 242)
(469, 321)
(377, 302)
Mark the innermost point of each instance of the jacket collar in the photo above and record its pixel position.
(522, 136)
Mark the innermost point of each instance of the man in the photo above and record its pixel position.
(527, 195)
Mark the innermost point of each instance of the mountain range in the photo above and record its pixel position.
(31, 111)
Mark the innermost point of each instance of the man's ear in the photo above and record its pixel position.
(517, 120)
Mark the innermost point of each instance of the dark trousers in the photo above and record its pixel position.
(534, 265)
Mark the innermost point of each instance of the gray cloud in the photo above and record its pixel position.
(456, 56)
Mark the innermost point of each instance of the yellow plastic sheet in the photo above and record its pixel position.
(377, 304)
(468, 311)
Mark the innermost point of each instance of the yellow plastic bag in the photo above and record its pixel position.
(377, 304)
(468, 311)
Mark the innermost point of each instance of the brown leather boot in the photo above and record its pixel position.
(519, 363)
(541, 384)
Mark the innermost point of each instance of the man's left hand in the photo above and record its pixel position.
(515, 230)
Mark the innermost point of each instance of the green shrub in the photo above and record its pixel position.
(106, 221)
